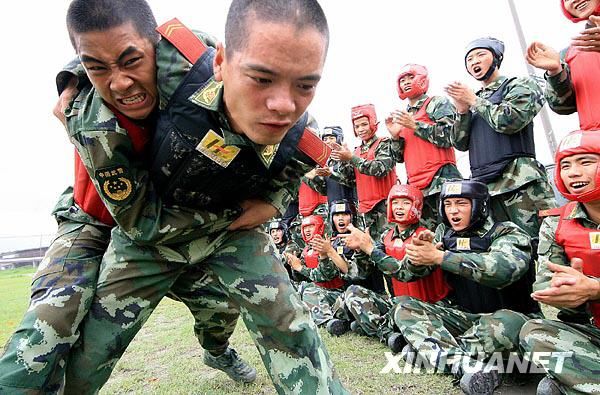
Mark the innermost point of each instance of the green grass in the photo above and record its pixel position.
(165, 357)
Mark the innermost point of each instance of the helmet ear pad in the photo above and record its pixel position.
(408, 192)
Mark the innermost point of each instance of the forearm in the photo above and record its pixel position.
(559, 91)
(461, 131)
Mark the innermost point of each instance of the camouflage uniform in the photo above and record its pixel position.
(559, 91)
(386, 156)
(440, 332)
(522, 189)
(441, 111)
(154, 243)
(574, 332)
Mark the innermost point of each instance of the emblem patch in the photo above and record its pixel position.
(339, 207)
(340, 250)
(268, 154)
(463, 243)
(115, 183)
(207, 95)
(454, 189)
(213, 146)
(595, 240)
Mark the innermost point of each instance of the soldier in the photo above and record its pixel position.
(568, 275)
(496, 127)
(247, 136)
(373, 311)
(280, 236)
(371, 168)
(320, 294)
(425, 129)
(488, 265)
(572, 76)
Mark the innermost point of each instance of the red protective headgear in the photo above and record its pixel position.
(365, 110)
(420, 82)
(315, 220)
(571, 17)
(409, 192)
(578, 142)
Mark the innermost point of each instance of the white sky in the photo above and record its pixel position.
(370, 41)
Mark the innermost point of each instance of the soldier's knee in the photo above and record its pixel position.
(531, 328)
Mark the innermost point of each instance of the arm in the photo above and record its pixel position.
(443, 114)
(506, 261)
(384, 162)
(522, 101)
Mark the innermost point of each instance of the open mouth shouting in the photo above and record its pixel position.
(578, 186)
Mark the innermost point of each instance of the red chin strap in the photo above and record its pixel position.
(578, 142)
(574, 19)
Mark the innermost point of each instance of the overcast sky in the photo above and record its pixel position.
(370, 41)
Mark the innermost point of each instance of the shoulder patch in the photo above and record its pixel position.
(314, 147)
(116, 184)
(551, 212)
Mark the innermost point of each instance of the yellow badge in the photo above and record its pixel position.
(206, 95)
(454, 189)
(340, 250)
(267, 154)
(595, 240)
(213, 146)
(463, 243)
(340, 207)
(116, 183)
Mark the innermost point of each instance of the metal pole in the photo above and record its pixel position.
(552, 145)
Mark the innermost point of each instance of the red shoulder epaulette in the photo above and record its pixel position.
(183, 39)
(551, 212)
(314, 147)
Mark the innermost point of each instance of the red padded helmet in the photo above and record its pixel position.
(420, 82)
(578, 142)
(411, 193)
(315, 220)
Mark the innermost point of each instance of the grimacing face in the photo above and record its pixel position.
(122, 67)
(458, 212)
(581, 8)
(478, 62)
(269, 83)
(578, 172)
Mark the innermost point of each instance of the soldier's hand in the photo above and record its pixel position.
(64, 99)
(423, 253)
(453, 92)
(392, 123)
(342, 154)
(589, 39)
(321, 245)
(426, 236)
(407, 120)
(323, 171)
(543, 57)
(293, 261)
(358, 240)
(569, 287)
(461, 94)
(256, 212)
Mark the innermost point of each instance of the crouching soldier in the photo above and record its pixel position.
(569, 273)
(488, 265)
(372, 311)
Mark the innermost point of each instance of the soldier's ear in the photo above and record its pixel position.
(219, 61)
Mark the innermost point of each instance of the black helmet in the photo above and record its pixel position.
(278, 224)
(475, 191)
(340, 207)
(491, 44)
(335, 131)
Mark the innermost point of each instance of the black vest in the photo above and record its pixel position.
(490, 151)
(477, 298)
(184, 176)
(338, 191)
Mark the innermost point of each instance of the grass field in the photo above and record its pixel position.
(165, 357)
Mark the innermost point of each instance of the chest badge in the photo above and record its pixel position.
(267, 154)
(340, 250)
(213, 146)
(398, 243)
(463, 243)
(595, 240)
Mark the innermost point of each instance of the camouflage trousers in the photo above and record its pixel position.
(429, 215)
(243, 266)
(445, 336)
(372, 311)
(579, 373)
(521, 206)
(62, 292)
(320, 302)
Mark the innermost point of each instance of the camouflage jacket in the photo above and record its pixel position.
(66, 209)
(559, 89)
(441, 111)
(550, 251)
(521, 103)
(326, 270)
(506, 261)
(104, 146)
(387, 154)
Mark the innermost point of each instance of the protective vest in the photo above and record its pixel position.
(489, 151)
(586, 85)
(423, 159)
(338, 191)
(309, 199)
(192, 165)
(311, 259)
(85, 194)
(432, 288)
(370, 189)
(478, 298)
(580, 242)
